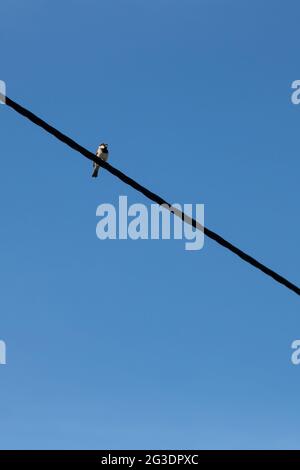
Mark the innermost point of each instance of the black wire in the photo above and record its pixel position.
(150, 195)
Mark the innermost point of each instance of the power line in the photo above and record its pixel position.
(149, 194)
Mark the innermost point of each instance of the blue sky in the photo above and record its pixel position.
(141, 344)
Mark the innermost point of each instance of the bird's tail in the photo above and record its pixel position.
(96, 171)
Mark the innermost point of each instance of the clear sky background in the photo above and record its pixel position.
(141, 344)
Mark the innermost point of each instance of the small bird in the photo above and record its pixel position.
(102, 152)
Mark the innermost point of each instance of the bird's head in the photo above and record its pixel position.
(103, 146)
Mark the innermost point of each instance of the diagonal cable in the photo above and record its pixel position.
(149, 194)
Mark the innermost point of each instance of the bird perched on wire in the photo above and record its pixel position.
(102, 152)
